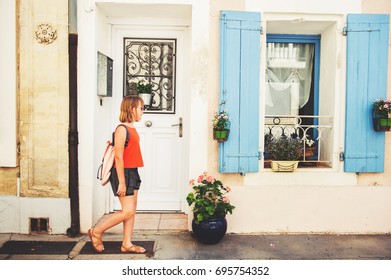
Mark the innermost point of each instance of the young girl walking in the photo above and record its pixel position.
(125, 179)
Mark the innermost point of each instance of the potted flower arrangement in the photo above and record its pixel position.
(144, 90)
(210, 206)
(285, 153)
(220, 124)
(381, 111)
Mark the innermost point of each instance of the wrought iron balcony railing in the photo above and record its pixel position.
(314, 131)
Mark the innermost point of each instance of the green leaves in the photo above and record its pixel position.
(285, 148)
(208, 198)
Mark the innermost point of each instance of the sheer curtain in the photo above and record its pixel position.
(288, 77)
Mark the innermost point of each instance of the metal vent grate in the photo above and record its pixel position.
(39, 225)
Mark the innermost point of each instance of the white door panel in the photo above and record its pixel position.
(164, 173)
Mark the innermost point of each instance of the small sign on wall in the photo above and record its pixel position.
(105, 75)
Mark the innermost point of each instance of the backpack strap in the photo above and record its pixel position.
(127, 135)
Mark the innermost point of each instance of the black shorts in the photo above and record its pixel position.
(132, 180)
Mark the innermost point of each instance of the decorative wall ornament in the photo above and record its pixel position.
(45, 34)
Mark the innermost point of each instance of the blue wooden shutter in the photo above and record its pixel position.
(239, 90)
(367, 48)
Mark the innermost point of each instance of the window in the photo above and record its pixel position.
(292, 93)
(151, 62)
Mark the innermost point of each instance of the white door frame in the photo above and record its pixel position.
(182, 34)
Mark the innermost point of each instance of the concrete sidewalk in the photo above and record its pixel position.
(183, 246)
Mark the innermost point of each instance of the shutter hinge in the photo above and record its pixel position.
(341, 156)
(261, 30)
(242, 173)
(345, 31)
(222, 98)
(259, 155)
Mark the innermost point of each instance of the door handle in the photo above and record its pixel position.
(148, 123)
(180, 126)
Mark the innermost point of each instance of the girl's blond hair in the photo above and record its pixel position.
(127, 105)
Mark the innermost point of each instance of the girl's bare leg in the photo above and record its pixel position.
(127, 212)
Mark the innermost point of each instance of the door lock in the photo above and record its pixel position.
(180, 126)
(148, 123)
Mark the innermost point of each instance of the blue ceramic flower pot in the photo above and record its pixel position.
(210, 231)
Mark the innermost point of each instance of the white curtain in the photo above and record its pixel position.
(288, 77)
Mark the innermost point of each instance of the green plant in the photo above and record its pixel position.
(285, 148)
(142, 87)
(208, 198)
(220, 120)
(382, 108)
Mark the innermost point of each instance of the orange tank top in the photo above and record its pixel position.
(132, 152)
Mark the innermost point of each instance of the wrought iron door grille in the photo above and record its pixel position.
(153, 62)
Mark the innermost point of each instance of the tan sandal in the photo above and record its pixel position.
(133, 249)
(96, 241)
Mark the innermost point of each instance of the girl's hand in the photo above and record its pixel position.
(121, 190)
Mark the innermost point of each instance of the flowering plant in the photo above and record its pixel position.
(141, 87)
(382, 108)
(208, 198)
(285, 148)
(220, 120)
(308, 140)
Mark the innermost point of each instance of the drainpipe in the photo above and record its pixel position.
(73, 134)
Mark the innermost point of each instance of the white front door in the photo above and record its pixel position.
(157, 57)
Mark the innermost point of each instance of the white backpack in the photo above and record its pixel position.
(104, 170)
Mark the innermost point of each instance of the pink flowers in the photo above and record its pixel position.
(382, 108)
(208, 198)
(220, 120)
(202, 177)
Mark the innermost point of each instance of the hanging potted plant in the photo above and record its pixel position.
(220, 124)
(144, 90)
(381, 115)
(285, 153)
(210, 206)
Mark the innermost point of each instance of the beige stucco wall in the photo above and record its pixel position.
(43, 91)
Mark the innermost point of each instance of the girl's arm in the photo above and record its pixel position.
(119, 144)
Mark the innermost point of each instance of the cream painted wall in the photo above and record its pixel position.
(86, 27)
(8, 104)
(310, 209)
